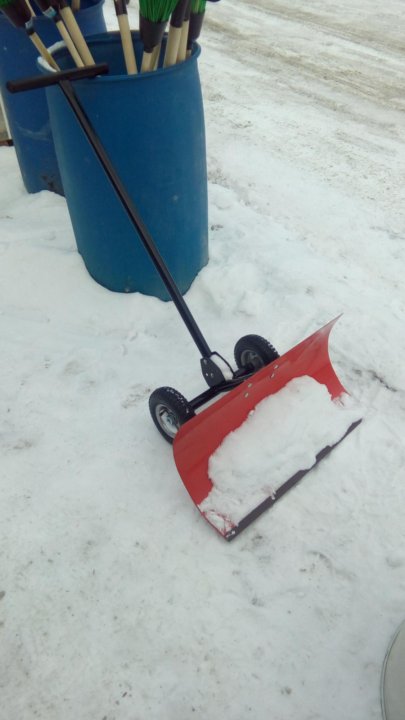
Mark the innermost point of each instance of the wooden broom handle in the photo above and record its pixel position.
(182, 54)
(69, 44)
(43, 50)
(127, 46)
(172, 47)
(76, 34)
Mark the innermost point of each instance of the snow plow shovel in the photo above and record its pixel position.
(298, 388)
(198, 440)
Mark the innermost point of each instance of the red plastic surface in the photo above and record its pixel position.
(198, 439)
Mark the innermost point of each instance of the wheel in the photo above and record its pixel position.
(169, 410)
(254, 352)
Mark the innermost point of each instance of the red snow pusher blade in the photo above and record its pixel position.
(307, 364)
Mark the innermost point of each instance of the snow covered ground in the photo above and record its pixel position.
(117, 600)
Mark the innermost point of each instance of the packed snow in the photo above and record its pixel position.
(281, 436)
(118, 601)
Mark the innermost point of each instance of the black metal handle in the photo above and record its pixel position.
(128, 205)
(63, 80)
(54, 78)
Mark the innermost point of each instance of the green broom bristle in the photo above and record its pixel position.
(198, 6)
(156, 10)
(4, 3)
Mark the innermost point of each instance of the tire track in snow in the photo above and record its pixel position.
(314, 52)
(309, 93)
(368, 35)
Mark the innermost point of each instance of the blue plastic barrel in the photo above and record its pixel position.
(27, 113)
(152, 128)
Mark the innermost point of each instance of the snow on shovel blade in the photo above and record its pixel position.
(301, 411)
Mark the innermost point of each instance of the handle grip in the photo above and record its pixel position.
(42, 81)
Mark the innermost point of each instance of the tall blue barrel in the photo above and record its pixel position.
(152, 127)
(27, 113)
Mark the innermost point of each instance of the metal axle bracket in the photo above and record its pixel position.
(216, 370)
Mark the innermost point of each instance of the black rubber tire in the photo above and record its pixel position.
(254, 352)
(169, 410)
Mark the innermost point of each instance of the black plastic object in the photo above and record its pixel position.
(18, 13)
(178, 13)
(43, 81)
(151, 32)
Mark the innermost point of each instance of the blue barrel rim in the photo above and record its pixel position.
(114, 36)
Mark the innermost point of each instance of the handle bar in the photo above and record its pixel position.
(42, 81)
